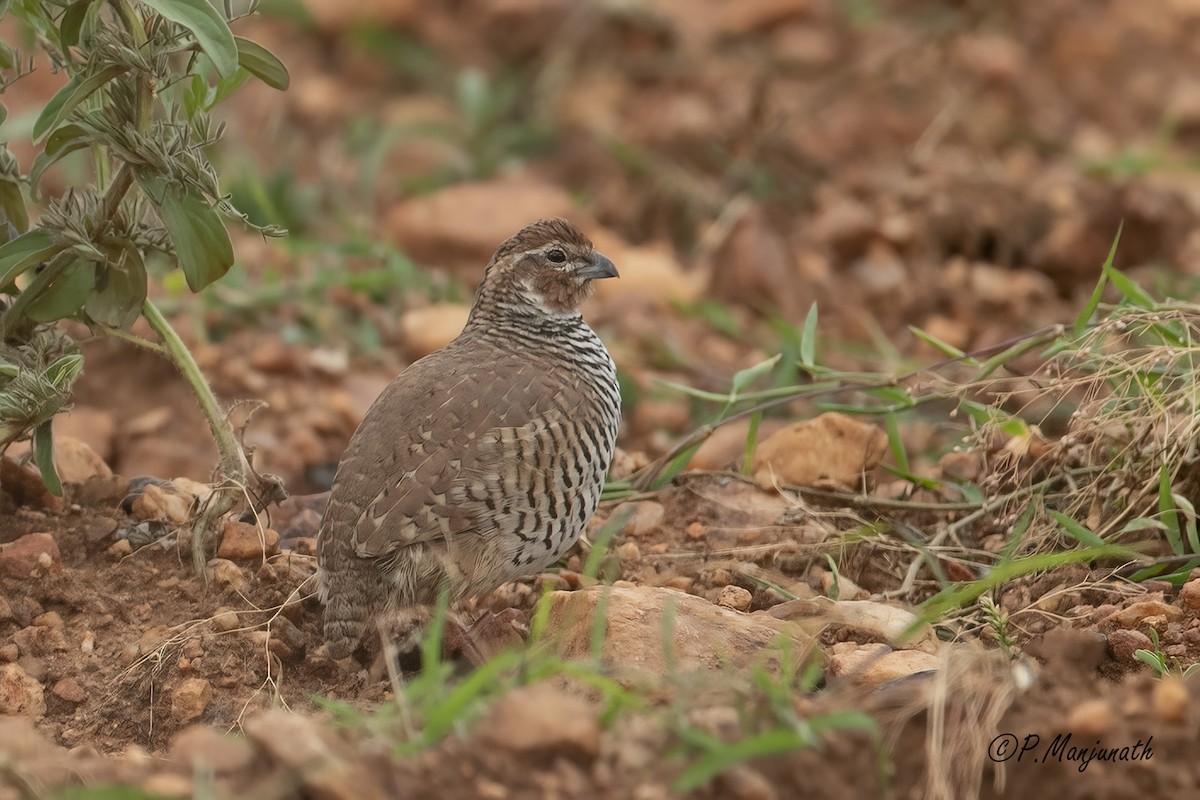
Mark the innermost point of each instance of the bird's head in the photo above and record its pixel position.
(546, 269)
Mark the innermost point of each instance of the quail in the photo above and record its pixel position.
(482, 462)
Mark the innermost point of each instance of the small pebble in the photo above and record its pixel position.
(734, 597)
(1091, 718)
(1171, 699)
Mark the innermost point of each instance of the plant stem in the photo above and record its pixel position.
(233, 468)
(227, 444)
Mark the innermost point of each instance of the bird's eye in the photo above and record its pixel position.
(557, 256)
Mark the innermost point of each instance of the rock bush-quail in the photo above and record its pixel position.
(482, 462)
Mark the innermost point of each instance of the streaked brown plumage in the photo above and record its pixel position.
(483, 461)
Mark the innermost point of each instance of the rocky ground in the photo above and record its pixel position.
(953, 166)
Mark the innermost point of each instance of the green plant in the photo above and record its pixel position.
(1160, 662)
(143, 76)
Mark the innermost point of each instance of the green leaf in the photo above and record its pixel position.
(120, 291)
(68, 97)
(984, 415)
(1076, 531)
(65, 140)
(63, 371)
(1168, 512)
(3, 113)
(72, 22)
(745, 378)
(262, 63)
(201, 241)
(1085, 316)
(43, 453)
(945, 348)
(12, 203)
(896, 442)
(23, 252)
(1128, 287)
(63, 294)
(207, 25)
(808, 338)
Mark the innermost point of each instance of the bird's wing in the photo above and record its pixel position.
(427, 460)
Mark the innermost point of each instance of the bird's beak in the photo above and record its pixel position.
(597, 266)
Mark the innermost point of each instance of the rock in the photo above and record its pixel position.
(1171, 699)
(874, 665)
(243, 541)
(1189, 595)
(190, 699)
(706, 636)
(629, 552)
(20, 694)
(963, 465)
(459, 227)
(1123, 643)
(648, 275)
(119, 549)
(832, 451)
(1091, 718)
(29, 556)
(162, 501)
(542, 720)
(77, 462)
(734, 597)
(204, 748)
(25, 487)
(752, 266)
(324, 768)
(49, 619)
(39, 640)
(878, 620)
(727, 444)
(69, 689)
(97, 492)
(424, 330)
(225, 573)
(839, 587)
(93, 427)
(167, 785)
(225, 620)
(644, 517)
(1152, 613)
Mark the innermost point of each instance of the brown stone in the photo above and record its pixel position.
(69, 689)
(76, 461)
(190, 699)
(20, 694)
(203, 747)
(876, 664)
(244, 541)
(29, 556)
(323, 767)
(160, 502)
(644, 517)
(706, 636)
(832, 451)
(424, 330)
(734, 597)
(542, 720)
(25, 487)
(459, 227)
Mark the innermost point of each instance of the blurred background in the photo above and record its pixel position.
(962, 167)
